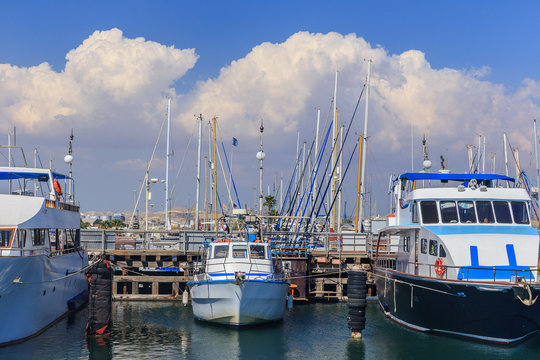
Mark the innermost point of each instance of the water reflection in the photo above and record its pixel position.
(99, 347)
(154, 330)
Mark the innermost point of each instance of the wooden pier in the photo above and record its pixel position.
(159, 274)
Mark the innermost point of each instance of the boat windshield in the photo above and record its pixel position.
(466, 211)
(429, 212)
(256, 251)
(502, 212)
(519, 209)
(239, 251)
(221, 251)
(485, 212)
(448, 212)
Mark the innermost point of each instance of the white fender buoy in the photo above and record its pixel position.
(185, 297)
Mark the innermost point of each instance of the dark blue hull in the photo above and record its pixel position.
(482, 311)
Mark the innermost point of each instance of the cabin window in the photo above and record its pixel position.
(256, 251)
(423, 246)
(519, 208)
(415, 212)
(485, 212)
(448, 212)
(433, 247)
(406, 243)
(442, 252)
(221, 251)
(38, 237)
(502, 212)
(239, 251)
(429, 212)
(5, 237)
(466, 211)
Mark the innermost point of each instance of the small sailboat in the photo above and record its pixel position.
(238, 284)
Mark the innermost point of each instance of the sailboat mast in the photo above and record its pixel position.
(340, 177)
(334, 158)
(167, 227)
(536, 155)
(316, 156)
(364, 148)
(214, 120)
(198, 173)
(260, 157)
(505, 155)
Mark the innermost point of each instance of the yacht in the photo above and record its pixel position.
(42, 266)
(467, 260)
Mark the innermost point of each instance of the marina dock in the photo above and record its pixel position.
(317, 274)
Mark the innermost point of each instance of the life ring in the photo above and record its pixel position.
(57, 187)
(439, 267)
(403, 206)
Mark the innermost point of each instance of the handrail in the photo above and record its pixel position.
(516, 272)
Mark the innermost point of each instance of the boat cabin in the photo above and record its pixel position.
(223, 258)
(474, 229)
(36, 216)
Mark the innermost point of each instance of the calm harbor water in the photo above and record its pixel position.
(155, 330)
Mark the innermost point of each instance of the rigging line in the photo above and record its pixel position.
(182, 162)
(341, 182)
(521, 175)
(299, 185)
(315, 170)
(230, 172)
(278, 224)
(224, 178)
(341, 149)
(143, 185)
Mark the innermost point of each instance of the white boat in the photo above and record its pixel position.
(238, 285)
(467, 260)
(42, 267)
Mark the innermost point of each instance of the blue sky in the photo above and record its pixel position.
(491, 46)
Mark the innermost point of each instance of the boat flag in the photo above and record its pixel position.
(235, 141)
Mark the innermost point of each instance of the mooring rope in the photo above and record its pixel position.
(17, 280)
(414, 285)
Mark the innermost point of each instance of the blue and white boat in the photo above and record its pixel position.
(467, 262)
(238, 285)
(42, 267)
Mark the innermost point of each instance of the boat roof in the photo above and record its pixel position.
(12, 173)
(454, 177)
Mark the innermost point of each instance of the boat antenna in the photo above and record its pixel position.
(426, 164)
(68, 159)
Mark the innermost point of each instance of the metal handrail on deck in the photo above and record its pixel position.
(515, 274)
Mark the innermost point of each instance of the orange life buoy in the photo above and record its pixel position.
(439, 268)
(57, 187)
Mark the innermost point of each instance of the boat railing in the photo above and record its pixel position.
(470, 273)
(248, 268)
(37, 251)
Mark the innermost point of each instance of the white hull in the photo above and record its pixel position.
(35, 290)
(250, 302)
